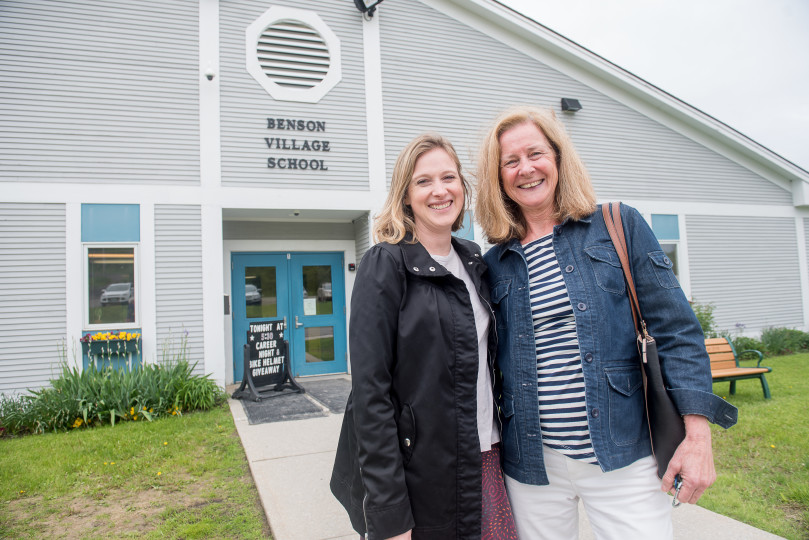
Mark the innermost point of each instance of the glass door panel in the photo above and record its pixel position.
(261, 296)
(319, 340)
(259, 291)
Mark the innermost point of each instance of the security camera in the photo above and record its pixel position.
(209, 73)
(296, 213)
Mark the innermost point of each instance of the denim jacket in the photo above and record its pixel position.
(612, 373)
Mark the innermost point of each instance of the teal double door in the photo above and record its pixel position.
(307, 290)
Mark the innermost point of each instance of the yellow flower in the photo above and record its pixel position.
(112, 463)
(159, 473)
(165, 443)
(132, 410)
(105, 463)
(77, 423)
(22, 491)
(772, 446)
(135, 418)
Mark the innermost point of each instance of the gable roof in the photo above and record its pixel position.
(536, 40)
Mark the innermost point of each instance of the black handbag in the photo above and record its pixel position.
(666, 426)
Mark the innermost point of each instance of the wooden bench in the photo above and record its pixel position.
(725, 365)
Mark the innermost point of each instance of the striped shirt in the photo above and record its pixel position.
(560, 380)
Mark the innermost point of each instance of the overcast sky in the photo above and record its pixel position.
(744, 62)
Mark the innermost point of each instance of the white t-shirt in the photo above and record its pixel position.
(487, 429)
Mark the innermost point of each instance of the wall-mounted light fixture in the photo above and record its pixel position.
(570, 104)
(367, 7)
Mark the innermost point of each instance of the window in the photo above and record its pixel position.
(293, 55)
(111, 286)
(667, 230)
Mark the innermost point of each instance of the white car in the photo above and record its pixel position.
(117, 293)
(252, 294)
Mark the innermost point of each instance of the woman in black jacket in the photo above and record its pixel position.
(417, 456)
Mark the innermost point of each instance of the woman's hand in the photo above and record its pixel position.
(403, 536)
(693, 461)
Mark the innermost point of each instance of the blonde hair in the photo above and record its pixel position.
(498, 215)
(396, 219)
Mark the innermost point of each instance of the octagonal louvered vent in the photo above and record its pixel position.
(293, 54)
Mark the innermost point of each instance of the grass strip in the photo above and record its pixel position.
(762, 463)
(178, 477)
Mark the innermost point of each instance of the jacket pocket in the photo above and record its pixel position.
(607, 268)
(407, 433)
(511, 448)
(500, 301)
(663, 268)
(627, 406)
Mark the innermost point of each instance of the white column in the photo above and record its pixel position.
(74, 280)
(213, 294)
(373, 111)
(148, 294)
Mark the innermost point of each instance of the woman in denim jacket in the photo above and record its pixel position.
(572, 406)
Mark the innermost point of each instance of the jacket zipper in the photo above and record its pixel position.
(364, 501)
(493, 328)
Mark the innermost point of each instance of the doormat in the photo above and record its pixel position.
(329, 393)
(332, 393)
(281, 408)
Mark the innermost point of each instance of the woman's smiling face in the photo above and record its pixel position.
(528, 169)
(435, 193)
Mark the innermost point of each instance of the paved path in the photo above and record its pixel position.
(291, 464)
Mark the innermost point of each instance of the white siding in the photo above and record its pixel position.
(246, 107)
(99, 91)
(178, 279)
(453, 79)
(748, 268)
(32, 294)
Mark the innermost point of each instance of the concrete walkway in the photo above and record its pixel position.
(291, 464)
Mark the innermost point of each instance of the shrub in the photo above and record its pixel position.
(780, 341)
(743, 343)
(99, 396)
(704, 313)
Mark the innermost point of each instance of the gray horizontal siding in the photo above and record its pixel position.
(362, 236)
(99, 91)
(748, 268)
(178, 281)
(271, 230)
(245, 107)
(453, 79)
(33, 312)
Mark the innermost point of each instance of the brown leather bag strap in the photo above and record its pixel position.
(615, 228)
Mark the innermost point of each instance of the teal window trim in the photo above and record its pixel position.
(666, 226)
(110, 223)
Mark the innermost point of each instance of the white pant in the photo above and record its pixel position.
(625, 504)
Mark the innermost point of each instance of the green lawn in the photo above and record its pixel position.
(177, 477)
(762, 462)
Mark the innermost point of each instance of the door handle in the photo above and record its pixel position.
(298, 323)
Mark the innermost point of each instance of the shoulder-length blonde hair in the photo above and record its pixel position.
(498, 215)
(396, 218)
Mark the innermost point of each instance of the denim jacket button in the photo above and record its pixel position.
(588, 357)
(594, 413)
(582, 306)
(569, 268)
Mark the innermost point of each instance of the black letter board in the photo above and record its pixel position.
(266, 361)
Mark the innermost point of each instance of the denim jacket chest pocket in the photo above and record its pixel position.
(663, 268)
(607, 268)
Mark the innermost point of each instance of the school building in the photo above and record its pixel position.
(181, 169)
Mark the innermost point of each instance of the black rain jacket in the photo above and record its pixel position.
(409, 452)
